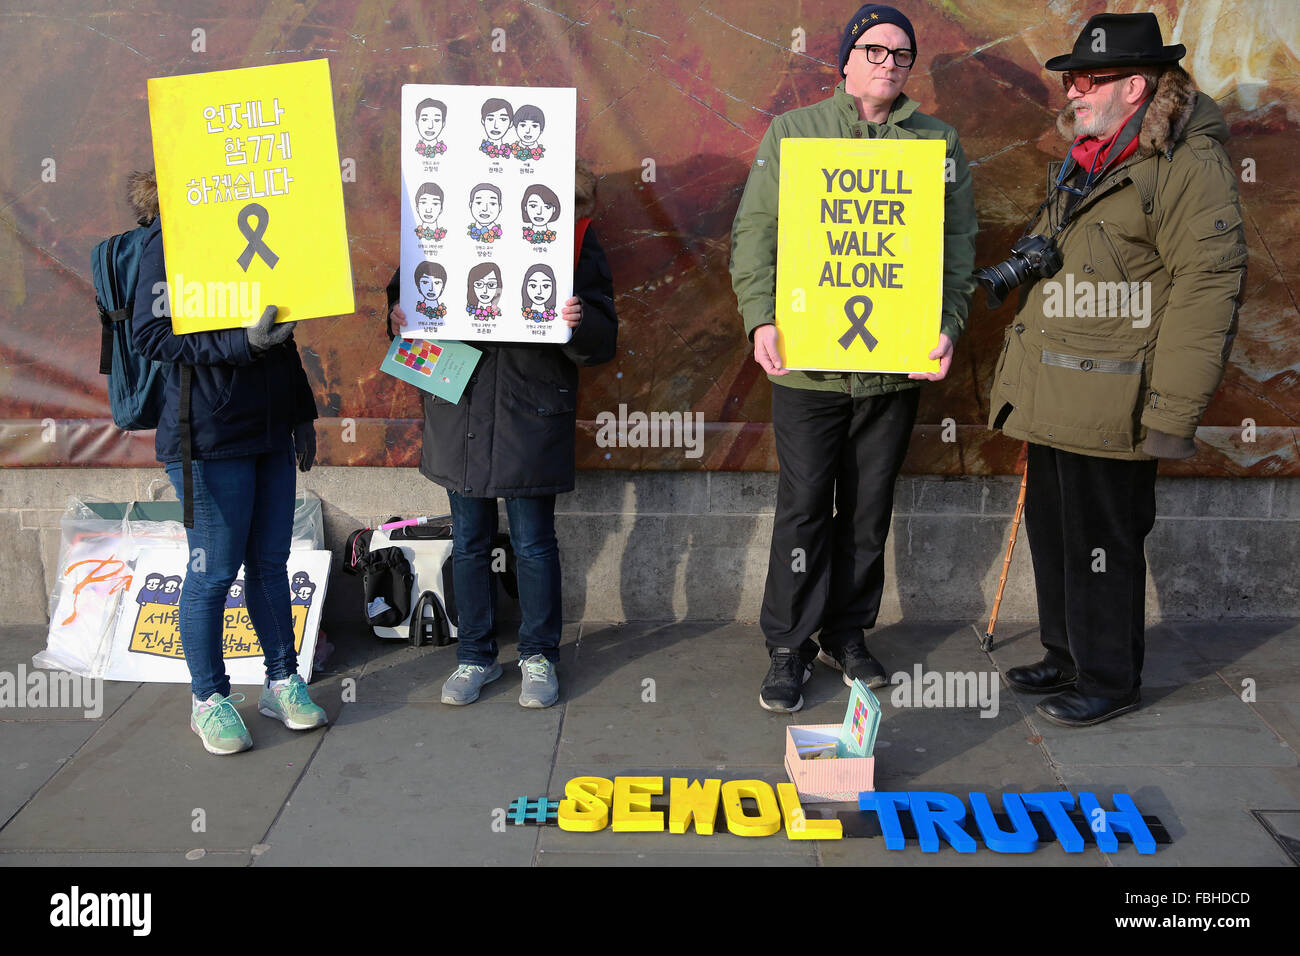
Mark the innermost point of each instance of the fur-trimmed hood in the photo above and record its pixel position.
(1176, 112)
(142, 195)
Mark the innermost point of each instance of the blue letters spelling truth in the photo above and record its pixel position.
(943, 814)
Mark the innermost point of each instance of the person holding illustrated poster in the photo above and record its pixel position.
(250, 417)
(511, 436)
(840, 437)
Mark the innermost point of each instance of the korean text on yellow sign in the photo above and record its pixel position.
(859, 274)
(250, 195)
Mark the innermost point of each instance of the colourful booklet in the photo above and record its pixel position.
(861, 721)
(441, 367)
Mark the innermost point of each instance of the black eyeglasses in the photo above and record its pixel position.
(903, 58)
(1084, 82)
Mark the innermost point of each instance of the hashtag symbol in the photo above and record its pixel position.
(523, 810)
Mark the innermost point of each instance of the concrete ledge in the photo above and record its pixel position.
(694, 545)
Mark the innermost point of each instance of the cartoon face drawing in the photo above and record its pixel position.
(485, 203)
(540, 206)
(430, 118)
(484, 285)
(497, 118)
(539, 287)
(236, 589)
(529, 123)
(305, 592)
(153, 582)
(428, 203)
(487, 289)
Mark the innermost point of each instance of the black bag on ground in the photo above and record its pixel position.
(387, 578)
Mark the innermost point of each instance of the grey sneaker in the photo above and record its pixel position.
(464, 685)
(540, 686)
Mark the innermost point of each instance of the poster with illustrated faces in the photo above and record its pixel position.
(487, 212)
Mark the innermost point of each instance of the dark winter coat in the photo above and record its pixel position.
(511, 435)
(1096, 380)
(241, 403)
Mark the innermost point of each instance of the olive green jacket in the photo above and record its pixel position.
(753, 235)
(1134, 331)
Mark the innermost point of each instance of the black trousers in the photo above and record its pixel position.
(1087, 519)
(839, 458)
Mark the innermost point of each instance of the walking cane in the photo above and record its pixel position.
(987, 641)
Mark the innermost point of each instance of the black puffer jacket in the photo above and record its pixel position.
(512, 433)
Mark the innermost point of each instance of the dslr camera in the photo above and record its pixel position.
(1031, 256)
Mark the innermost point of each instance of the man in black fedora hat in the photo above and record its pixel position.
(1129, 290)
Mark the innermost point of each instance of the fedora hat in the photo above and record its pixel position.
(1119, 39)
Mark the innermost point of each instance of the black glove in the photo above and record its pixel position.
(1164, 445)
(264, 335)
(304, 444)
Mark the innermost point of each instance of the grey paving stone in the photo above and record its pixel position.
(1195, 725)
(410, 674)
(1262, 651)
(1283, 720)
(121, 859)
(17, 645)
(416, 783)
(1205, 810)
(705, 712)
(31, 753)
(136, 784)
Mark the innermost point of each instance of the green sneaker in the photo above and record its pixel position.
(219, 725)
(291, 704)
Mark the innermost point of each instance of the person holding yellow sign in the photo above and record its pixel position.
(238, 402)
(841, 436)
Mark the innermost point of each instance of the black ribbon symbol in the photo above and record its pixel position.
(858, 323)
(254, 235)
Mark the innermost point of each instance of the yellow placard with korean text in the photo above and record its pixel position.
(250, 195)
(859, 273)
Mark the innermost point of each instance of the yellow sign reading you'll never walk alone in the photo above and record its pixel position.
(859, 275)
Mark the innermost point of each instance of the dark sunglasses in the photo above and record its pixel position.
(1084, 82)
(903, 58)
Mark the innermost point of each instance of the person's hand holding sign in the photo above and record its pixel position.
(942, 352)
(765, 350)
(572, 312)
(396, 321)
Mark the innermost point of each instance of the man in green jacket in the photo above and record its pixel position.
(1113, 358)
(840, 437)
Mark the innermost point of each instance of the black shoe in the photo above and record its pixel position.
(1074, 710)
(785, 678)
(1040, 678)
(856, 662)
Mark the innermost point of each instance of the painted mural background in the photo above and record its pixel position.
(672, 100)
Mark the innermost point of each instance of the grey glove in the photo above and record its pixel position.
(1164, 445)
(264, 335)
(304, 445)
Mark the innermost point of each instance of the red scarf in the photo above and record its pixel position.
(1085, 149)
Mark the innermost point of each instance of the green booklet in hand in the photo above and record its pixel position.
(441, 367)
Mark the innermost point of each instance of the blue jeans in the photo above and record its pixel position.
(243, 514)
(537, 566)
